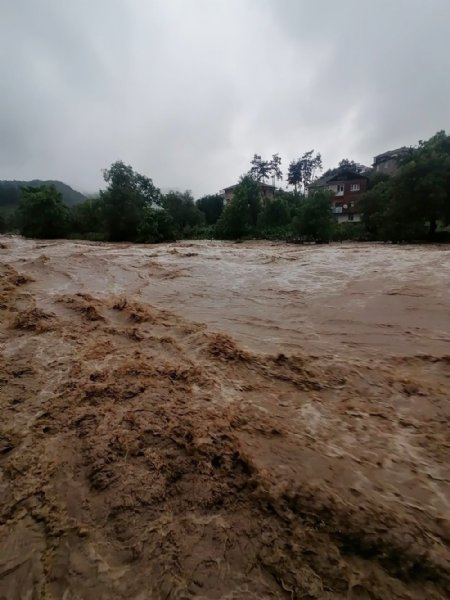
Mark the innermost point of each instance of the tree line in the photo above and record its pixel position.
(412, 205)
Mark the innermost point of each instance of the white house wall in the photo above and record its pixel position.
(344, 218)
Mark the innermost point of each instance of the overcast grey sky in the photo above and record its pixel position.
(186, 91)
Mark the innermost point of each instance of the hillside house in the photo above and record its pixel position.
(347, 188)
(267, 191)
(389, 162)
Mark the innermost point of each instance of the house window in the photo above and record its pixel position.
(337, 208)
(355, 187)
(350, 217)
(339, 189)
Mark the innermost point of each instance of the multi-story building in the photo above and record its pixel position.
(267, 191)
(347, 188)
(389, 162)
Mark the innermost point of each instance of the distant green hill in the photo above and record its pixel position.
(10, 192)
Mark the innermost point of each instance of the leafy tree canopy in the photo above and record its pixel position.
(421, 187)
(87, 217)
(346, 165)
(302, 171)
(241, 214)
(275, 168)
(275, 213)
(183, 211)
(314, 220)
(212, 207)
(156, 225)
(124, 199)
(418, 195)
(263, 169)
(42, 213)
(260, 168)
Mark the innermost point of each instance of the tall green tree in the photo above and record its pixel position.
(156, 225)
(260, 169)
(212, 207)
(87, 217)
(348, 165)
(124, 199)
(345, 165)
(42, 213)
(410, 204)
(421, 187)
(240, 216)
(263, 169)
(9, 193)
(275, 168)
(375, 178)
(183, 211)
(294, 174)
(374, 205)
(314, 220)
(275, 213)
(302, 171)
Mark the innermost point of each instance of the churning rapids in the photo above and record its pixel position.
(218, 420)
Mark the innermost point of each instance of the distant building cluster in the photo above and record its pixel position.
(347, 186)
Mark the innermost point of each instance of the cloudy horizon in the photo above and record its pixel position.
(186, 91)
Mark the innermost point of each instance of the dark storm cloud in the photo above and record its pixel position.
(187, 90)
(382, 81)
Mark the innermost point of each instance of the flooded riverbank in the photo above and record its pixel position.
(216, 420)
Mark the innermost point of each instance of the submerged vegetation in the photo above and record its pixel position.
(411, 205)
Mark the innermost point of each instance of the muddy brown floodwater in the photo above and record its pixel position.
(216, 420)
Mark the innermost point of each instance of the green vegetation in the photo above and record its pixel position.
(10, 192)
(314, 219)
(415, 202)
(155, 226)
(344, 165)
(124, 201)
(412, 205)
(87, 219)
(302, 171)
(185, 215)
(240, 216)
(211, 206)
(42, 213)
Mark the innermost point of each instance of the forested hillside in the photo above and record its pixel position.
(10, 192)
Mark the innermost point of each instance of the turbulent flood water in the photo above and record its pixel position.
(219, 420)
(272, 297)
